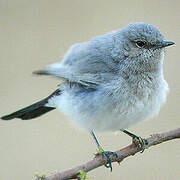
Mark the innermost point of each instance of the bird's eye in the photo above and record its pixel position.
(140, 44)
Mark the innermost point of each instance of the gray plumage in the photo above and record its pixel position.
(114, 80)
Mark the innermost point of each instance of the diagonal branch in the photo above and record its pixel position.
(97, 161)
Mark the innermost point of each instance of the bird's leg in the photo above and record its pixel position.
(105, 154)
(138, 141)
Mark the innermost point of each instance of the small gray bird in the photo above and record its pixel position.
(110, 82)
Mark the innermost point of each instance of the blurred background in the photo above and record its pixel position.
(36, 33)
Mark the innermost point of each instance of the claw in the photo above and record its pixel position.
(141, 142)
(107, 157)
(138, 141)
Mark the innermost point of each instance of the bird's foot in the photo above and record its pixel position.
(106, 157)
(140, 142)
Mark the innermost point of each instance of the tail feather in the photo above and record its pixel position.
(29, 112)
(32, 111)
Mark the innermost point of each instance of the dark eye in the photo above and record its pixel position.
(140, 43)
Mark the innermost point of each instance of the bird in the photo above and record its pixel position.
(109, 82)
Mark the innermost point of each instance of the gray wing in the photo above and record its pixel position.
(88, 63)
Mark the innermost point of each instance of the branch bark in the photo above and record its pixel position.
(123, 153)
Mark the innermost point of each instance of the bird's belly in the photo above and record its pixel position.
(96, 112)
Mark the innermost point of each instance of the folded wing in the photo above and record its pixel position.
(88, 63)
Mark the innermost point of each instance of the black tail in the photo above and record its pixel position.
(34, 110)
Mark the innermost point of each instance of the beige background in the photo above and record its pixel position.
(36, 33)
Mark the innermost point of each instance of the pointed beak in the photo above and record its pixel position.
(164, 44)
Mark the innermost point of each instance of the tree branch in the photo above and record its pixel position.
(97, 161)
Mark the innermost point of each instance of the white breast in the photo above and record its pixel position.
(98, 112)
(102, 111)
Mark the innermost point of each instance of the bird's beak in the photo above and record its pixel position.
(164, 44)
